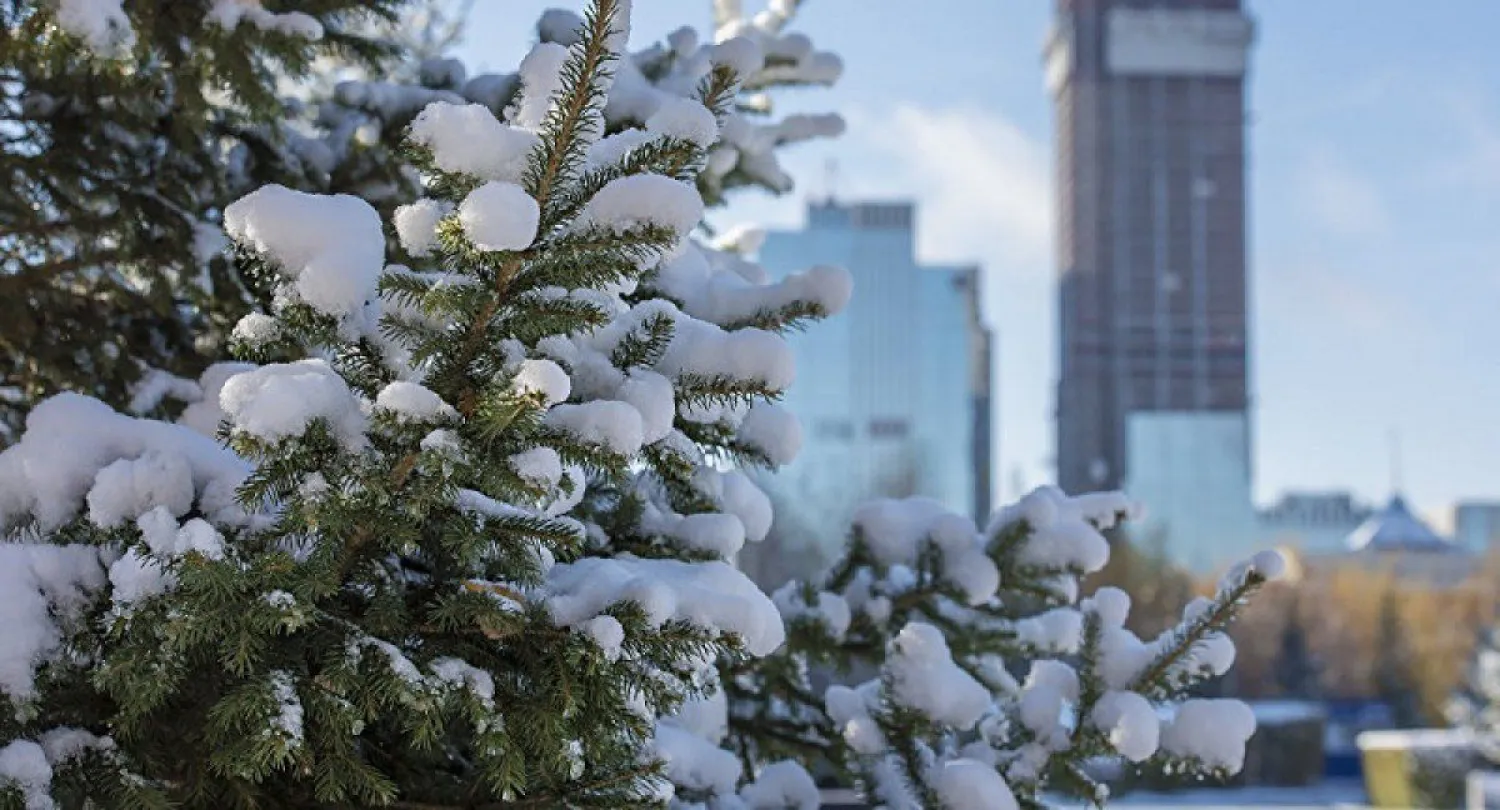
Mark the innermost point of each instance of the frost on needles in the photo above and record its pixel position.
(968, 673)
(454, 534)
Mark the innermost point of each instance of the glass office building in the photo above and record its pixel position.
(893, 393)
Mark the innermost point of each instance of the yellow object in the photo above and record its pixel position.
(1388, 776)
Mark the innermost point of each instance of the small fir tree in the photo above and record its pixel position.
(1394, 680)
(1297, 670)
(466, 545)
(991, 682)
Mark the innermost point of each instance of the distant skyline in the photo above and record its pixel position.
(1374, 177)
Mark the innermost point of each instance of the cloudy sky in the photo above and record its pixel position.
(1375, 221)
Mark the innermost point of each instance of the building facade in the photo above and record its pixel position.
(1190, 471)
(1149, 100)
(1476, 525)
(1312, 522)
(893, 394)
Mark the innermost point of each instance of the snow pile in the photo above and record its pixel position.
(101, 24)
(830, 610)
(924, 677)
(411, 402)
(710, 288)
(1131, 723)
(896, 531)
(500, 216)
(1065, 531)
(281, 401)
(641, 201)
(228, 14)
(50, 474)
(964, 784)
(468, 139)
(331, 247)
(783, 784)
(416, 225)
(40, 585)
(711, 595)
(1213, 732)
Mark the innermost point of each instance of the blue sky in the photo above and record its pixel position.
(1375, 218)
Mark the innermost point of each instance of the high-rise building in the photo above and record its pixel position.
(1150, 114)
(893, 394)
(1476, 525)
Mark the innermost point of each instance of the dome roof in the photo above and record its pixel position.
(1395, 528)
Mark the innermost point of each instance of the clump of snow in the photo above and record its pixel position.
(416, 225)
(784, 784)
(331, 246)
(774, 431)
(685, 119)
(642, 200)
(740, 497)
(228, 14)
(256, 328)
(204, 415)
(831, 610)
(500, 216)
(1131, 723)
(1065, 532)
(157, 385)
(612, 425)
(695, 763)
(287, 720)
(39, 586)
(101, 24)
(539, 466)
(69, 438)
(652, 396)
(741, 55)
(541, 80)
(895, 531)
(544, 377)
(458, 672)
(607, 633)
(412, 402)
(130, 487)
(1213, 732)
(1050, 687)
(468, 139)
(280, 401)
(23, 764)
(924, 678)
(712, 595)
(965, 784)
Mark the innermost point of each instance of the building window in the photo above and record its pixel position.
(889, 428)
(839, 429)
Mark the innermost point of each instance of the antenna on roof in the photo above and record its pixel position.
(830, 179)
(1395, 461)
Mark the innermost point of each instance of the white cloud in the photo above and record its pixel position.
(984, 185)
(1340, 198)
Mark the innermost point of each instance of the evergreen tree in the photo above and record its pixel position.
(465, 543)
(126, 152)
(1476, 704)
(1395, 682)
(994, 683)
(1298, 673)
(127, 127)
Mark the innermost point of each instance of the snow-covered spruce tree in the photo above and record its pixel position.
(344, 123)
(1476, 704)
(117, 117)
(990, 683)
(466, 543)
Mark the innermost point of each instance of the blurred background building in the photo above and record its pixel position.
(894, 395)
(1149, 100)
